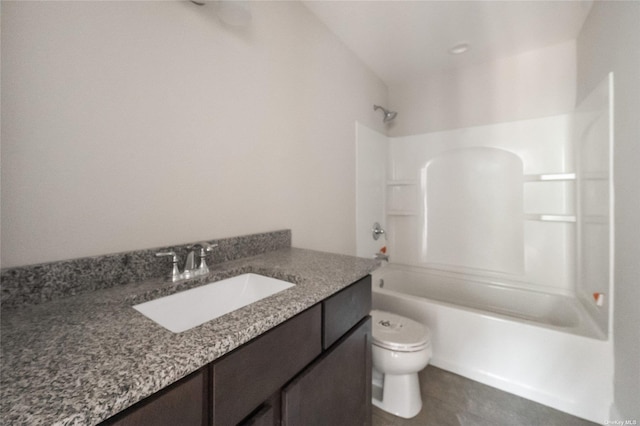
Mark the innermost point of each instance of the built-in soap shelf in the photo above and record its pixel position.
(550, 217)
(550, 177)
(402, 197)
(401, 193)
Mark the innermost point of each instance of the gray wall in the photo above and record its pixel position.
(128, 125)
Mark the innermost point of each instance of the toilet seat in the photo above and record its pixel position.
(397, 333)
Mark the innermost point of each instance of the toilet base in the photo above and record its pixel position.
(400, 395)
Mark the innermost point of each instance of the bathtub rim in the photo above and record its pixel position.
(586, 326)
(483, 277)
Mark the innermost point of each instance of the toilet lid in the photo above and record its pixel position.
(398, 333)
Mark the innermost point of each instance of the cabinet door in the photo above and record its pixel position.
(268, 414)
(183, 403)
(336, 389)
(250, 375)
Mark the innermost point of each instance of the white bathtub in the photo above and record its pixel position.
(540, 346)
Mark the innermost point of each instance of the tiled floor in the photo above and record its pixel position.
(452, 400)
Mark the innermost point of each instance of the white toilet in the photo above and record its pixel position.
(401, 348)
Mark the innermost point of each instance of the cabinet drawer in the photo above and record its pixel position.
(248, 376)
(345, 309)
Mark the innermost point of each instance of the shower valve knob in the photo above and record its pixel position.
(377, 230)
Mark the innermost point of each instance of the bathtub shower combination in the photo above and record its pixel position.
(500, 241)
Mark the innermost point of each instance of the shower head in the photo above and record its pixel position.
(388, 115)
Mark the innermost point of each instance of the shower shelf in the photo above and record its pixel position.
(549, 177)
(550, 217)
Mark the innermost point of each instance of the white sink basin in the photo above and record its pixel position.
(187, 309)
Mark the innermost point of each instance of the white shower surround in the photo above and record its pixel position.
(457, 201)
(524, 346)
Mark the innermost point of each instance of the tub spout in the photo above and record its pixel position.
(382, 256)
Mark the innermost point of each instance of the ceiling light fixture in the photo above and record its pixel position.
(459, 48)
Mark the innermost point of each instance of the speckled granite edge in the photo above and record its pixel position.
(34, 284)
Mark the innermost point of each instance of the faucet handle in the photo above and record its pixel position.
(377, 230)
(168, 253)
(205, 247)
(175, 271)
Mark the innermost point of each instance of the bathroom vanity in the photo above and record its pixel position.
(315, 368)
(76, 352)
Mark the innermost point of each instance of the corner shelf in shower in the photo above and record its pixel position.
(401, 197)
(550, 177)
(551, 218)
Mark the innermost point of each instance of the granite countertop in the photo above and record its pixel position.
(81, 359)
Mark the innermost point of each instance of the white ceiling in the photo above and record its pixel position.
(402, 39)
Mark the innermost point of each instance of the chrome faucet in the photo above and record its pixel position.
(175, 271)
(190, 269)
(377, 230)
(202, 268)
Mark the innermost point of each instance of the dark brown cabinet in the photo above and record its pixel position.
(182, 403)
(314, 369)
(334, 390)
(344, 310)
(266, 416)
(248, 376)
